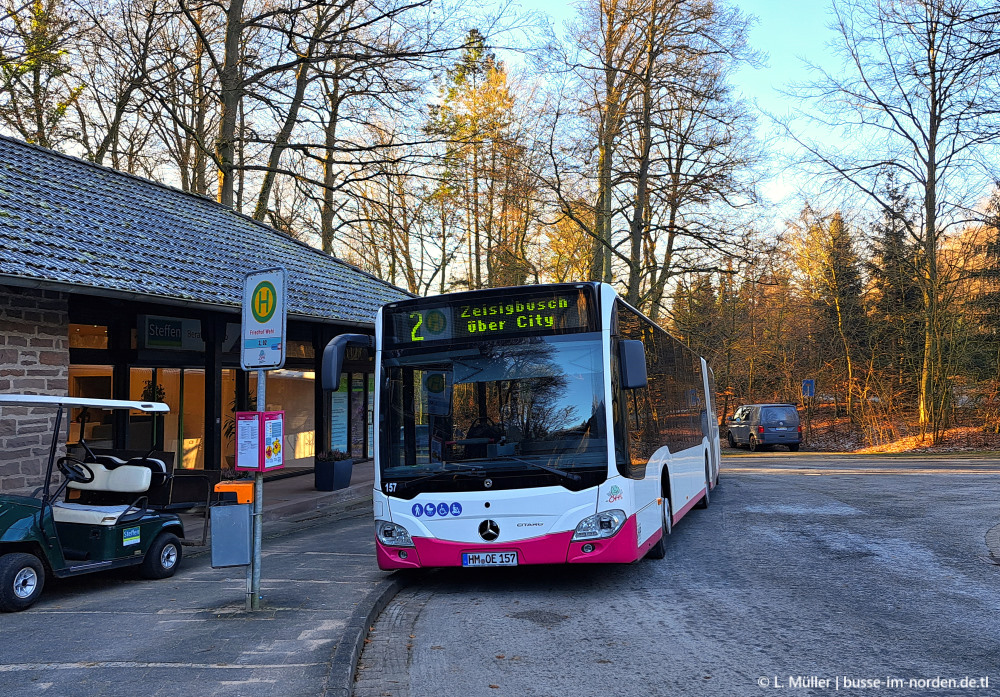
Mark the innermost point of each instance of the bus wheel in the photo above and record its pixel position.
(753, 445)
(704, 500)
(659, 550)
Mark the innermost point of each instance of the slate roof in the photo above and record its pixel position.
(67, 222)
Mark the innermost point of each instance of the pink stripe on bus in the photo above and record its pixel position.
(548, 549)
(687, 507)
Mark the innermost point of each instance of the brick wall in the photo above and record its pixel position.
(34, 359)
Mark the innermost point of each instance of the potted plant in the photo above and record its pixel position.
(333, 470)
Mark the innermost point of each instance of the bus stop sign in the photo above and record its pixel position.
(264, 312)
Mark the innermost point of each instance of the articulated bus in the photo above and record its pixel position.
(543, 424)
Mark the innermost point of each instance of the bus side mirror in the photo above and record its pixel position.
(632, 356)
(333, 357)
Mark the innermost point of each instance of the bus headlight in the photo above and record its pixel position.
(392, 535)
(603, 524)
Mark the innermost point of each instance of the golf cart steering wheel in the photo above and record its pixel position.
(74, 470)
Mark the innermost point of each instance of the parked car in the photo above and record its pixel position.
(760, 426)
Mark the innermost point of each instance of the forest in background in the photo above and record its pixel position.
(443, 146)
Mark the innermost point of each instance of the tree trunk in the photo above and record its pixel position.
(302, 79)
(329, 175)
(232, 92)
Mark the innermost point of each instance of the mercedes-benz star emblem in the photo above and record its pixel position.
(489, 530)
(488, 483)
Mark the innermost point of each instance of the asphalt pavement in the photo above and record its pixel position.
(117, 634)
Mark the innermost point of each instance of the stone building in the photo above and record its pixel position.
(114, 286)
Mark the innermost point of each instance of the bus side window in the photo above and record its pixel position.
(619, 418)
(634, 411)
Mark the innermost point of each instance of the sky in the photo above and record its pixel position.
(786, 31)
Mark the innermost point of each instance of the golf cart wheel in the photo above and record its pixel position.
(163, 557)
(22, 577)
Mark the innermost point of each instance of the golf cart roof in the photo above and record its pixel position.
(42, 400)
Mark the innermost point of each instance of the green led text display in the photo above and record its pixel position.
(488, 315)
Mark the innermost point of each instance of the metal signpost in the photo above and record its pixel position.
(263, 349)
(808, 392)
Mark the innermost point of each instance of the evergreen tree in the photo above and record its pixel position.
(897, 306)
(984, 306)
(831, 275)
(695, 314)
(36, 84)
(484, 167)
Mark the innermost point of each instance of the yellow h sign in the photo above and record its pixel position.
(263, 301)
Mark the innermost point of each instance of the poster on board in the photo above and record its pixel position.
(338, 417)
(259, 440)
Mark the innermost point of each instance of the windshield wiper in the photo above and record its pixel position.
(554, 470)
(456, 469)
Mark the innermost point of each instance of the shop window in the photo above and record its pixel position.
(358, 410)
(88, 336)
(91, 382)
(182, 430)
(229, 419)
(292, 391)
(300, 349)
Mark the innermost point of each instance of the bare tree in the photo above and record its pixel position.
(919, 99)
(118, 58)
(671, 141)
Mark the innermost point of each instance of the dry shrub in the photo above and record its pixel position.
(881, 412)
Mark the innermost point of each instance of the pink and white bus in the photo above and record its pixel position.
(543, 424)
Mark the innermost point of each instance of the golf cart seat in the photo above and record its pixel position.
(86, 514)
(103, 491)
(157, 468)
(125, 479)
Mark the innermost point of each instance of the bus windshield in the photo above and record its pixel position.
(533, 404)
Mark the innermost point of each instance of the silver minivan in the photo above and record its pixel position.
(760, 426)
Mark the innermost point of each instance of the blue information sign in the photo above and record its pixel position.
(809, 388)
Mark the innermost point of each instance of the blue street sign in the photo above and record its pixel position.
(809, 388)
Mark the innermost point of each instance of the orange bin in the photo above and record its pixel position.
(243, 489)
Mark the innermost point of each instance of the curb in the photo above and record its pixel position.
(344, 663)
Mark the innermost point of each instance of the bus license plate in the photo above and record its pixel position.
(490, 559)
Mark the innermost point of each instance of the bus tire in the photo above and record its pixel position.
(659, 550)
(705, 499)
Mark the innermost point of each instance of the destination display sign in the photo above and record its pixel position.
(509, 312)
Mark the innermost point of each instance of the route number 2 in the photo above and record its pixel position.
(416, 327)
